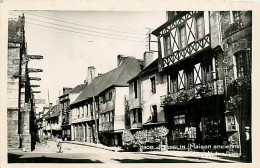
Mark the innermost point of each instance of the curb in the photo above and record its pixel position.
(69, 142)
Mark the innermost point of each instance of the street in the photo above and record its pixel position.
(74, 153)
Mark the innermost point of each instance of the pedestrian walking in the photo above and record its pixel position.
(45, 138)
(59, 144)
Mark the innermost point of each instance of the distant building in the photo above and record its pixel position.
(69, 95)
(107, 91)
(53, 121)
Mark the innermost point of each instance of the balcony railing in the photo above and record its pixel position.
(199, 91)
(191, 49)
(106, 126)
(107, 106)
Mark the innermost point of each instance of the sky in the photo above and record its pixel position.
(71, 41)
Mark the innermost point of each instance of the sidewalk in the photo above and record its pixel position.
(100, 146)
(215, 157)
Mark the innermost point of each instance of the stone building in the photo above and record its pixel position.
(20, 98)
(236, 33)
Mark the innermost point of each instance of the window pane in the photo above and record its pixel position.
(200, 27)
(167, 45)
(181, 80)
(153, 88)
(183, 36)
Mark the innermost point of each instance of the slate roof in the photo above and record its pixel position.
(55, 112)
(119, 76)
(151, 67)
(78, 88)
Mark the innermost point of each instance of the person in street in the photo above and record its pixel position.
(59, 144)
(45, 138)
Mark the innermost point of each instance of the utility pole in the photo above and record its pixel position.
(49, 111)
(95, 110)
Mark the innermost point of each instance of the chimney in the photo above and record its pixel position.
(91, 74)
(120, 59)
(148, 58)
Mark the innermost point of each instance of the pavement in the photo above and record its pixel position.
(74, 147)
(210, 156)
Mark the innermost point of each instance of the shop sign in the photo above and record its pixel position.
(215, 88)
(35, 70)
(230, 122)
(35, 56)
(220, 85)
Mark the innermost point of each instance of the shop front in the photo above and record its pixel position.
(197, 125)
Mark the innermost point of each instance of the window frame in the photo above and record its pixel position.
(196, 26)
(187, 74)
(135, 88)
(167, 51)
(110, 96)
(153, 84)
(182, 26)
(245, 63)
(154, 113)
(207, 67)
(139, 116)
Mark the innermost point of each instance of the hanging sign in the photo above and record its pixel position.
(36, 91)
(35, 78)
(35, 85)
(220, 85)
(39, 101)
(35, 56)
(34, 70)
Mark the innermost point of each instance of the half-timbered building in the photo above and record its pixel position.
(194, 103)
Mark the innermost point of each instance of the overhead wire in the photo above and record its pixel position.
(94, 27)
(124, 38)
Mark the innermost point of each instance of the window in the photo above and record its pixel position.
(172, 83)
(183, 40)
(189, 79)
(110, 96)
(197, 74)
(236, 16)
(200, 27)
(139, 116)
(111, 116)
(134, 116)
(179, 119)
(167, 42)
(153, 86)
(243, 63)
(91, 110)
(181, 80)
(207, 73)
(104, 98)
(154, 114)
(135, 88)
